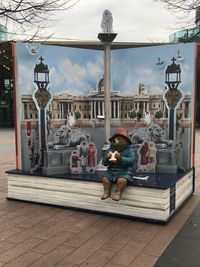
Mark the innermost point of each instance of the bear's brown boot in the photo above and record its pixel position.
(107, 188)
(121, 184)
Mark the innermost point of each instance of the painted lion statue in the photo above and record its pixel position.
(66, 137)
(155, 133)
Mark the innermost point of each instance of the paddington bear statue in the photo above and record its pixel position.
(118, 158)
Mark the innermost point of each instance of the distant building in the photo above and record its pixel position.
(188, 35)
(6, 85)
(3, 33)
(6, 80)
(185, 36)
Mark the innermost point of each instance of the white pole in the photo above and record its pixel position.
(107, 84)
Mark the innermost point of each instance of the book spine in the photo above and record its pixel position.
(172, 198)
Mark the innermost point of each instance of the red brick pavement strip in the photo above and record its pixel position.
(25, 259)
(125, 235)
(5, 245)
(47, 216)
(111, 265)
(19, 220)
(18, 250)
(25, 234)
(80, 238)
(144, 260)
(99, 258)
(60, 237)
(53, 257)
(128, 253)
(62, 225)
(63, 263)
(87, 249)
(160, 242)
(53, 242)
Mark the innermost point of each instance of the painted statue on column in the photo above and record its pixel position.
(74, 162)
(107, 22)
(151, 156)
(92, 158)
(146, 157)
(142, 157)
(84, 158)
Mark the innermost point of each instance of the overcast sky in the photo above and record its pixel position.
(133, 20)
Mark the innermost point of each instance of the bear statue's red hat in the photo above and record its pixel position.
(123, 132)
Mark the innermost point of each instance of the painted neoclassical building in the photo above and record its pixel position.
(91, 108)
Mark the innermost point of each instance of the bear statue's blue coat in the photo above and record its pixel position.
(122, 168)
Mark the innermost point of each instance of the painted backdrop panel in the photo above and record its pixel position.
(74, 120)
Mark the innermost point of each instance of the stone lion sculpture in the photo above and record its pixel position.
(155, 133)
(107, 22)
(66, 137)
(63, 135)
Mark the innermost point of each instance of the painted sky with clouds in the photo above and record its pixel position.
(77, 71)
(71, 70)
(139, 65)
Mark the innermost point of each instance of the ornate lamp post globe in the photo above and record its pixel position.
(42, 98)
(173, 75)
(41, 75)
(172, 95)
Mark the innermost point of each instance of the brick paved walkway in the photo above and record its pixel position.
(37, 235)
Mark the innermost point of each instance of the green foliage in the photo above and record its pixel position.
(139, 116)
(49, 114)
(158, 114)
(77, 114)
(132, 114)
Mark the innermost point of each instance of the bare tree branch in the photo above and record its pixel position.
(181, 5)
(32, 14)
(183, 10)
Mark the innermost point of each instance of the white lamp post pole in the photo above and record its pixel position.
(107, 85)
(106, 37)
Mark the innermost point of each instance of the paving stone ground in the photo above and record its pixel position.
(39, 235)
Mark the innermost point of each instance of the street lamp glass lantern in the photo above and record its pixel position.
(41, 75)
(173, 75)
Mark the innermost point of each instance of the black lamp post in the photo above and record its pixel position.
(42, 97)
(173, 95)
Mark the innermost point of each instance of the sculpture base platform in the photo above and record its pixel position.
(156, 198)
(107, 37)
(57, 161)
(169, 168)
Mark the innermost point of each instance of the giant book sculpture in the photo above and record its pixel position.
(60, 111)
